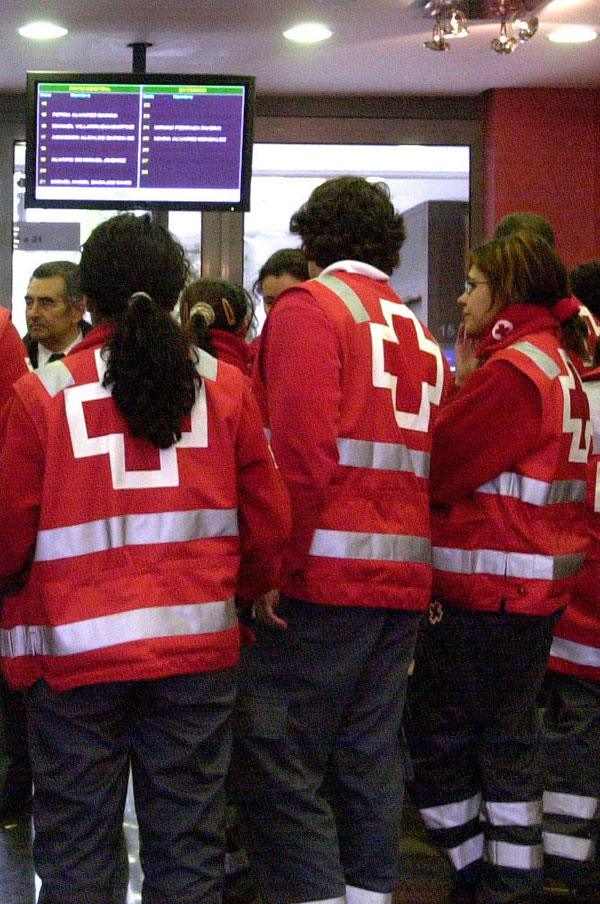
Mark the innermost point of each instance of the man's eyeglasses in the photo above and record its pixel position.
(471, 284)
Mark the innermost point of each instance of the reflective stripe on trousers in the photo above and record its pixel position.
(522, 813)
(123, 627)
(356, 895)
(515, 856)
(466, 853)
(568, 846)
(448, 816)
(580, 806)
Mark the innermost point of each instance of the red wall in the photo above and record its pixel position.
(542, 154)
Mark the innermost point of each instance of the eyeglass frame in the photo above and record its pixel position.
(471, 284)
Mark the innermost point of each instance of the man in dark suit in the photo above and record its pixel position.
(54, 311)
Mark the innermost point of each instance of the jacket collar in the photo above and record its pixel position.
(512, 324)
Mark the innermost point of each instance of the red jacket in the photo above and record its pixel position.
(12, 356)
(576, 646)
(136, 552)
(232, 349)
(515, 540)
(353, 381)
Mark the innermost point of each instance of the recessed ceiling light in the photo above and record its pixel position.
(308, 33)
(572, 34)
(42, 31)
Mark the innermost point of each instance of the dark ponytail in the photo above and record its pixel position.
(132, 271)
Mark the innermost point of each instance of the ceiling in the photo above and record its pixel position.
(376, 48)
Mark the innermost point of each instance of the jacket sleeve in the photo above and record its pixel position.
(263, 506)
(491, 423)
(21, 481)
(302, 370)
(12, 360)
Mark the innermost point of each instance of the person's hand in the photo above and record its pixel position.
(466, 358)
(266, 607)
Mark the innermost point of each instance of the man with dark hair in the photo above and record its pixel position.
(353, 381)
(54, 310)
(524, 221)
(282, 270)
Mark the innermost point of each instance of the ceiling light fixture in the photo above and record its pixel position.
(572, 34)
(42, 31)
(308, 33)
(451, 20)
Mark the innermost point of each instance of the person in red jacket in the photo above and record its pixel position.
(12, 356)
(571, 711)
(508, 473)
(137, 498)
(15, 797)
(216, 314)
(353, 384)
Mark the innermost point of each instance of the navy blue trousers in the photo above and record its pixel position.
(317, 763)
(175, 735)
(475, 741)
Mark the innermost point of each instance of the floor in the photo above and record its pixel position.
(425, 874)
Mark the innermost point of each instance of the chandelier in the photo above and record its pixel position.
(452, 19)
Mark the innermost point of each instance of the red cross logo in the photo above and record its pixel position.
(576, 413)
(390, 364)
(97, 429)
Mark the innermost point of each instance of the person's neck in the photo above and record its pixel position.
(59, 345)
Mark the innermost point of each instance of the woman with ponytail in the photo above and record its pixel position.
(138, 500)
(216, 315)
(508, 472)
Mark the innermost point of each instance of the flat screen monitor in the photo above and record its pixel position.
(131, 140)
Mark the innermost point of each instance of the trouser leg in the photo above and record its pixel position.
(571, 769)
(482, 739)
(441, 728)
(15, 778)
(509, 757)
(366, 779)
(180, 753)
(80, 767)
(297, 689)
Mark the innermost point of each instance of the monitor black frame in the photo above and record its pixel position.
(34, 78)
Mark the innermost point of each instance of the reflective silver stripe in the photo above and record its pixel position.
(592, 391)
(535, 492)
(524, 813)
(515, 856)
(356, 895)
(134, 530)
(55, 377)
(347, 295)
(467, 852)
(578, 805)
(575, 652)
(568, 846)
(207, 366)
(341, 544)
(124, 627)
(508, 564)
(341, 900)
(545, 363)
(448, 816)
(361, 453)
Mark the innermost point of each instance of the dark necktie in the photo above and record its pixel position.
(55, 356)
